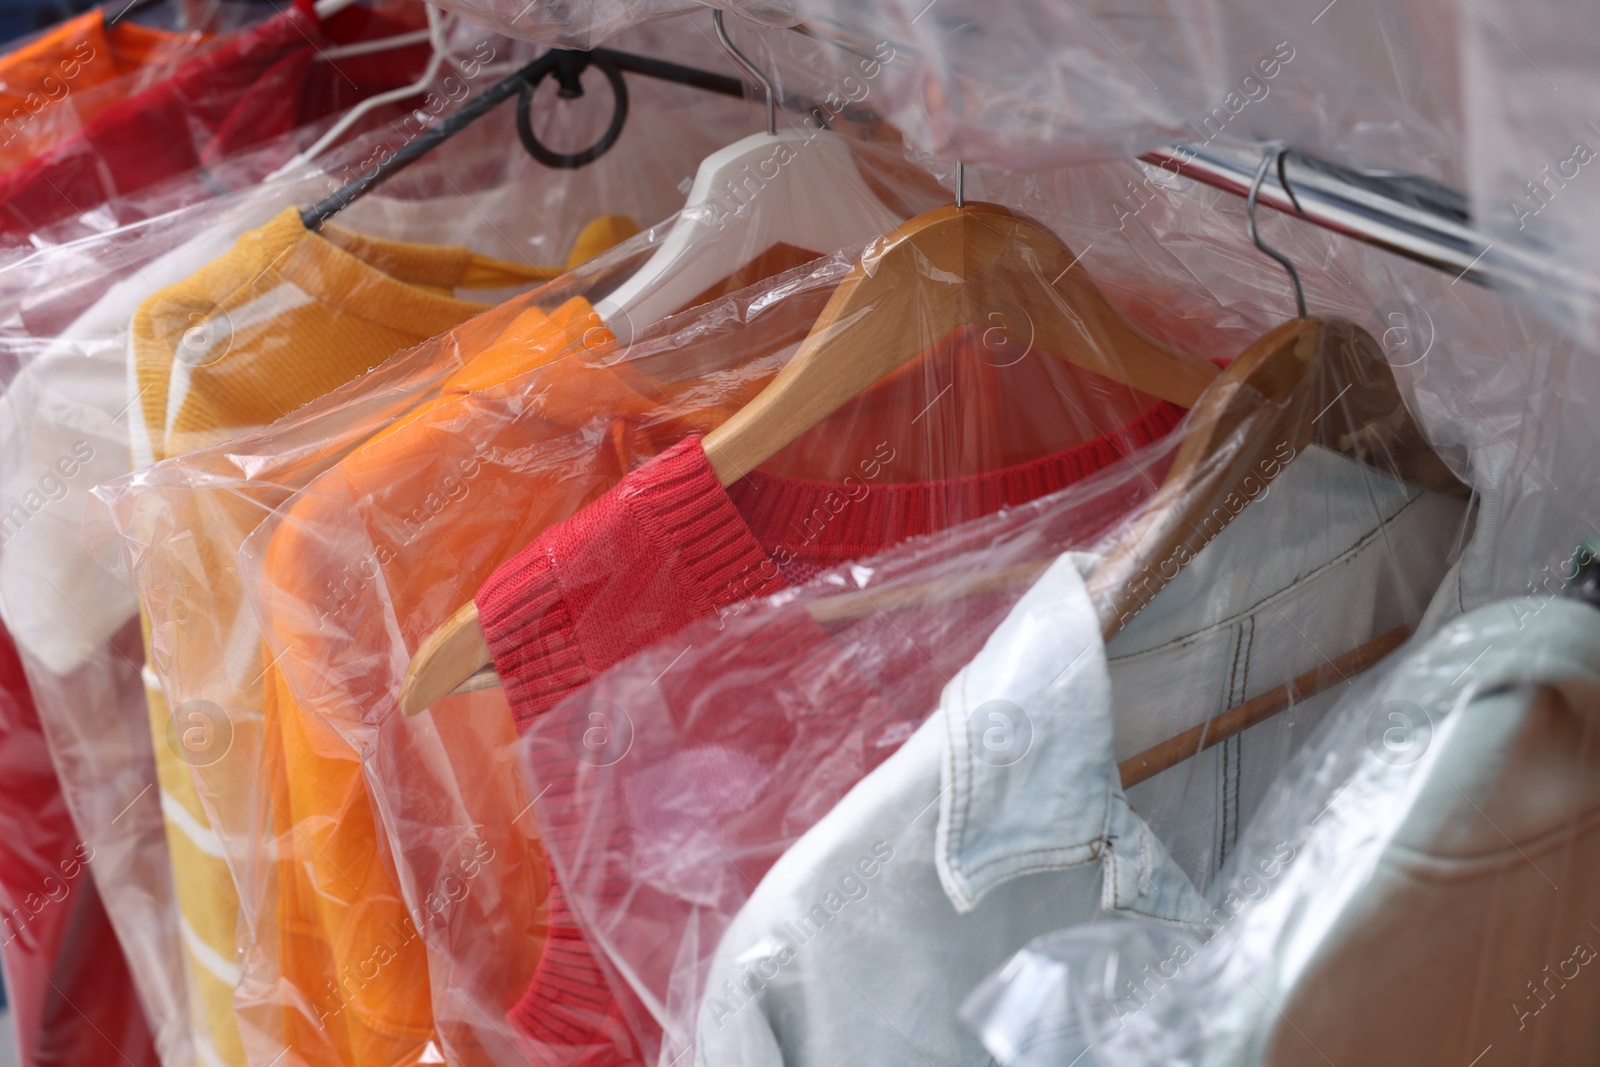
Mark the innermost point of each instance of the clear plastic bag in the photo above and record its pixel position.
(56, 947)
(719, 748)
(1055, 1000)
(65, 77)
(624, 177)
(1178, 262)
(89, 688)
(221, 494)
(1407, 858)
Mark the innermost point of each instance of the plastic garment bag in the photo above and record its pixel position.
(222, 495)
(639, 174)
(1531, 143)
(1442, 91)
(599, 554)
(782, 801)
(65, 77)
(659, 839)
(57, 949)
(1405, 859)
(88, 688)
(259, 85)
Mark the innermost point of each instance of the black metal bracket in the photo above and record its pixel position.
(568, 68)
(568, 71)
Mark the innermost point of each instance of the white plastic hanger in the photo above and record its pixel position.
(326, 9)
(434, 34)
(799, 187)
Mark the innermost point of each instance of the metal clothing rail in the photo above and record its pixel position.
(1414, 217)
(1411, 216)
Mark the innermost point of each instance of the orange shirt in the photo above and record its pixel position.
(399, 535)
(55, 84)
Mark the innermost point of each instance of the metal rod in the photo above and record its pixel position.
(724, 84)
(743, 61)
(961, 184)
(1414, 217)
(314, 216)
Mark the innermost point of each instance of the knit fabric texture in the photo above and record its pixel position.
(666, 546)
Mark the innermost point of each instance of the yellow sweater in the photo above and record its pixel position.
(284, 317)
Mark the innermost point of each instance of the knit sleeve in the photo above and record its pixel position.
(663, 548)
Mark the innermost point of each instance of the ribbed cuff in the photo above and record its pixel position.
(663, 548)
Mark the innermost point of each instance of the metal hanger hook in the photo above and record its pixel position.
(961, 184)
(1250, 213)
(744, 64)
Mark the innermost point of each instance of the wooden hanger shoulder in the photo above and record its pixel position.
(449, 656)
(947, 268)
(890, 310)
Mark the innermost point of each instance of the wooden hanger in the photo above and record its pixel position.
(1267, 405)
(945, 269)
(1243, 421)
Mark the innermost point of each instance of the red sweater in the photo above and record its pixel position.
(72, 999)
(249, 90)
(665, 547)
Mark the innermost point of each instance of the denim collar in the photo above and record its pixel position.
(1029, 780)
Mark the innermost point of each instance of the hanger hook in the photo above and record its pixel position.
(961, 184)
(744, 64)
(1250, 213)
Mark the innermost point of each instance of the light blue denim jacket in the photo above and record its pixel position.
(1003, 816)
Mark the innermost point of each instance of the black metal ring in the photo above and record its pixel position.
(572, 160)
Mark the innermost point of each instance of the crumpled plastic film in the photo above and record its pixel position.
(64, 77)
(69, 996)
(1065, 993)
(222, 494)
(1444, 92)
(1336, 905)
(1175, 257)
(79, 412)
(1530, 141)
(259, 86)
(658, 854)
